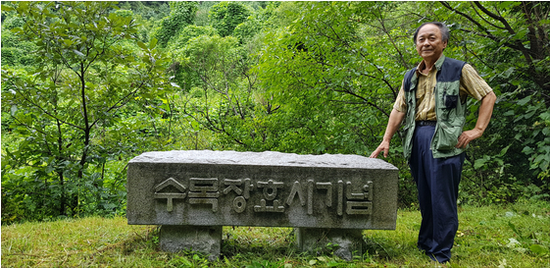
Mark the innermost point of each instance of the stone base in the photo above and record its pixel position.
(346, 242)
(203, 239)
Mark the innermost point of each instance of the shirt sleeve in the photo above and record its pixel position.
(472, 84)
(400, 102)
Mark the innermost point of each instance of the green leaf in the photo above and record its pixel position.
(142, 45)
(481, 162)
(507, 4)
(524, 100)
(545, 116)
(23, 7)
(508, 72)
(504, 150)
(527, 150)
(7, 8)
(538, 249)
(153, 43)
(323, 259)
(513, 227)
(79, 53)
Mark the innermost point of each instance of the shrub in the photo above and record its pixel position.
(181, 15)
(225, 16)
(11, 55)
(189, 32)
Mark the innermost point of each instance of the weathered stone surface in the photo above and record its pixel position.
(227, 188)
(205, 239)
(217, 188)
(346, 243)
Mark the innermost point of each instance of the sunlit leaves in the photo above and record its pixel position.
(64, 112)
(325, 64)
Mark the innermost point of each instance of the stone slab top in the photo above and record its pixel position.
(267, 158)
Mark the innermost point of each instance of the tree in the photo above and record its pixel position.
(519, 26)
(181, 14)
(255, 23)
(225, 16)
(15, 52)
(64, 108)
(335, 69)
(220, 88)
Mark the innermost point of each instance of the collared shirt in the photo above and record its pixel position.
(470, 84)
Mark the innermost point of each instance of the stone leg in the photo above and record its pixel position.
(349, 241)
(204, 239)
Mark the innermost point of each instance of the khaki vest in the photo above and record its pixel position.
(449, 109)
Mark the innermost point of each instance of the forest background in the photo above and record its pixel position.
(87, 86)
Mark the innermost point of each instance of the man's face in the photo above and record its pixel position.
(429, 43)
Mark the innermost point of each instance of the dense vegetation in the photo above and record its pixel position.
(86, 86)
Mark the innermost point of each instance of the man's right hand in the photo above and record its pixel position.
(396, 117)
(383, 147)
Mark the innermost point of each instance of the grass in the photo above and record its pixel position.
(515, 235)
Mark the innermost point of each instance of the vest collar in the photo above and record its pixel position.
(437, 65)
(411, 77)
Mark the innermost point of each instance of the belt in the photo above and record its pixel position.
(426, 123)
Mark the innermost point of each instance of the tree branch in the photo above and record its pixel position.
(366, 101)
(393, 42)
(47, 112)
(498, 27)
(496, 17)
(445, 4)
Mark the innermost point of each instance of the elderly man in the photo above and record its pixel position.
(432, 101)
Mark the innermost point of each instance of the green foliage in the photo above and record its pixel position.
(183, 75)
(338, 80)
(15, 51)
(327, 87)
(124, 13)
(9, 39)
(255, 23)
(64, 109)
(189, 32)
(520, 169)
(181, 14)
(11, 56)
(146, 14)
(149, 10)
(202, 14)
(225, 16)
(334, 83)
(190, 260)
(516, 31)
(11, 22)
(302, 77)
(221, 97)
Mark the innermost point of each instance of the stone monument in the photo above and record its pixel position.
(328, 198)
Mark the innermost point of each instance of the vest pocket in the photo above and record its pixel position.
(449, 104)
(450, 101)
(446, 136)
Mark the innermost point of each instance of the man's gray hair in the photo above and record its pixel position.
(444, 30)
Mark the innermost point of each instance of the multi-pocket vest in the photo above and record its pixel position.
(449, 109)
